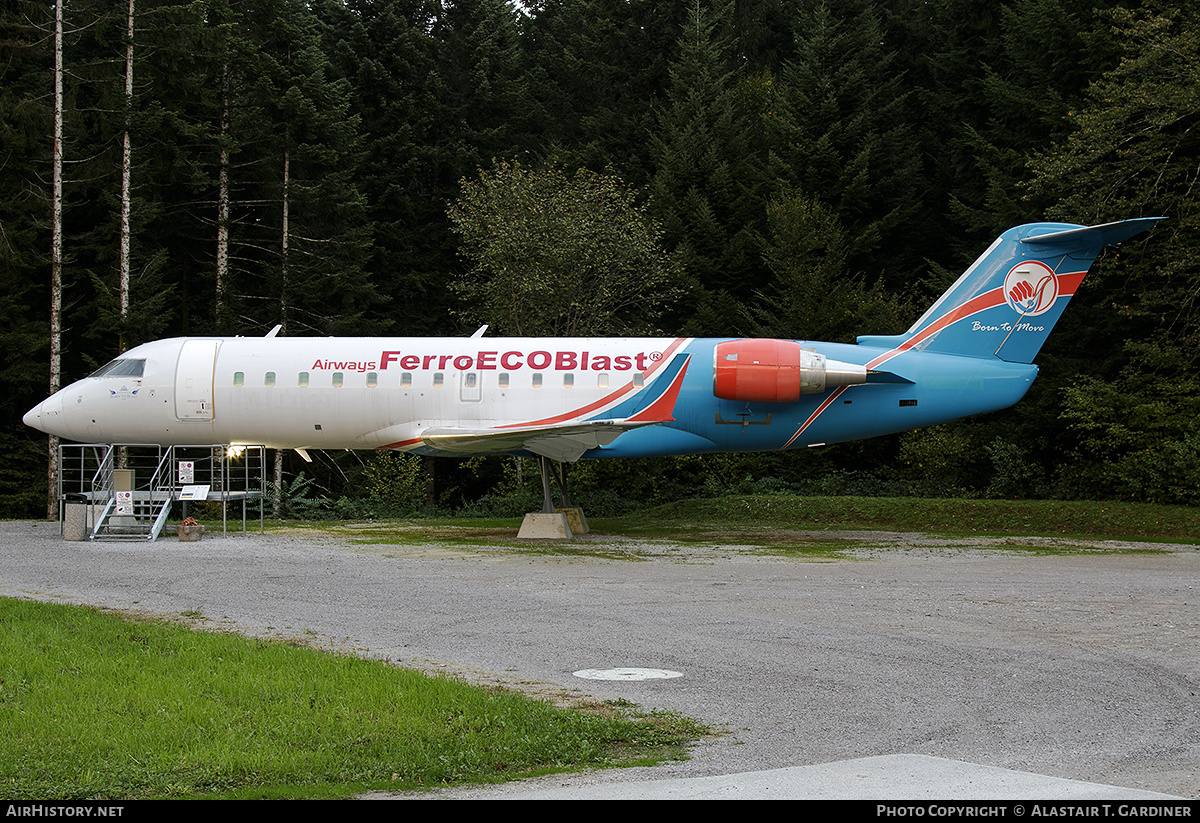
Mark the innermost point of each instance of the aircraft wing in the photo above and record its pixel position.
(566, 441)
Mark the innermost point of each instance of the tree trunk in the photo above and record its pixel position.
(223, 203)
(126, 195)
(277, 495)
(283, 250)
(283, 267)
(56, 243)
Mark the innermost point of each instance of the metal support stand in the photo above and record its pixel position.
(562, 487)
(562, 522)
(544, 470)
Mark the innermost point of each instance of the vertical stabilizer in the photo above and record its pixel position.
(1007, 302)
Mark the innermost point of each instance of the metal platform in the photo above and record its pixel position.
(127, 491)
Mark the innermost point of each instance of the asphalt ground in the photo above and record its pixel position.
(909, 655)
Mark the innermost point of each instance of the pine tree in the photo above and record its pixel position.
(598, 67)
(1051, 50)
(1133, 407)
(814, 293)
(708, 186)
(486, 111)
(385, 51)
(298, 226)
(26, 118)
(838, 134)
(942, 49)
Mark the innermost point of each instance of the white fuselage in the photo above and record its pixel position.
(345, 393)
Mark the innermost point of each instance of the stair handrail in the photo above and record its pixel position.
(102, 480)
(102, 520)
(161, 520)
(164, 462)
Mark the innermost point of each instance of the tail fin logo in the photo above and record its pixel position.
(1031, 288)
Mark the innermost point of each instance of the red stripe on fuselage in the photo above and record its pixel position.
(662, 409)
(401, 444)
(607, 400)
(983, 302)
(814, 416)
(1068, 284)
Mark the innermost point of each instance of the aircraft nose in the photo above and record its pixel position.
(43, 415)
(32, 418)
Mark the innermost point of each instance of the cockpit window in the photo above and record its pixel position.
(120, 367)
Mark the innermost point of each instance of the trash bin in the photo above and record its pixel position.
(75, 516)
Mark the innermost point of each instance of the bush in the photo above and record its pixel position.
(396, 483)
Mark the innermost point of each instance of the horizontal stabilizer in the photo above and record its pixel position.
(1106, 234)
(885, 377)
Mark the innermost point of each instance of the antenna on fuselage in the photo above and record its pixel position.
(274, 331)
(479, 332)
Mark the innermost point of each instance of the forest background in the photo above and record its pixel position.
(785, 168)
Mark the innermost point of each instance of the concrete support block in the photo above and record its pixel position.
(541, 526)
(575, 520)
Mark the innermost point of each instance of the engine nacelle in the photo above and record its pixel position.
(777, 371)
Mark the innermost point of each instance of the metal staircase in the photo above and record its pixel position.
(128, 491)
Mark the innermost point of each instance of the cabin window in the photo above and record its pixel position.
(470, 379)
(302, 380)
(337, 379)
(372, 379)
(568, 381)
(269, 379)
(639, 380)
(502, 380)
(537, 380)
(438, 379)
(406, 380)
(239, 379)
(602, 380)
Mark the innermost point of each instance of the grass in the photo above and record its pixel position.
(793, 526)
(98, 706)
(1081, 519)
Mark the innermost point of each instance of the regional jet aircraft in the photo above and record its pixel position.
(571, 398)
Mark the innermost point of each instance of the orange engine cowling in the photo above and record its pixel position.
(776, 371)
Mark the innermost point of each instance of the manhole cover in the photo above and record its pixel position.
(627, 674)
